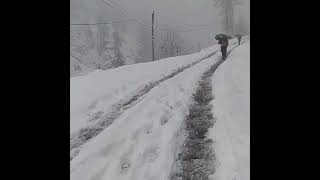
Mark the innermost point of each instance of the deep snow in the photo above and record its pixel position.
(100, 90)
(231, 107)
(142, 143)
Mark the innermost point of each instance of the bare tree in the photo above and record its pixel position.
(114, 56)
(185, 50)
(171, 45)
(227, 11)
(102, 35)
(240, 26)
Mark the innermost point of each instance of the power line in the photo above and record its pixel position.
(121, 13)
(180, 29)
(191, 30)
(198, 24)
(140, 21)
(118, 6)
(116, 10)
(114, 22)
(124, 13)
(186, 25)
(194, 30)
(127, 14)
(131, 20)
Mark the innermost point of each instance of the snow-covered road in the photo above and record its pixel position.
(196, 157)
(104, 119)
(143, 141)
(101, 90)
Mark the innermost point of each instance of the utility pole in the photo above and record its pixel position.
(152, 36)
(227, 25)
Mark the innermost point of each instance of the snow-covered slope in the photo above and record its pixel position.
(231, 106)
(142, 142)
(99, 90)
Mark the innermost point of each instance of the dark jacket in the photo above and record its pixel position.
(223, 43)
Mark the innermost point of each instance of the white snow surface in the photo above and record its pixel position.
(231, 107)
(141, 144)
(101, 89)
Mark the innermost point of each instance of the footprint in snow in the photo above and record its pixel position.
(125, 165)
(151, 153)
(165, 118)
(181, 88)
(148, 128)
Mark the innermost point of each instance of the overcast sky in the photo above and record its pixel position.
(167, 12)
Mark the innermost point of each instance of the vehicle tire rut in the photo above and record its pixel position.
(85, 134)
(196, 159)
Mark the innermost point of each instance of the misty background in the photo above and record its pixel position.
(125, 37)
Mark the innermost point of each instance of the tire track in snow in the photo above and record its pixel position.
(196, 158)
(103, 120)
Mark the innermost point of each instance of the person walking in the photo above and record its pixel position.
(239, 36)
(224, 46)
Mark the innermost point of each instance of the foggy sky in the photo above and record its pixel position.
(167, 12)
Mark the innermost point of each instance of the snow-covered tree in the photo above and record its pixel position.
(240, 26)
(227, 12)
(171, 45)
(99, 46)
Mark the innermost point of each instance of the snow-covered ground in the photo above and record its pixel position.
(231, 106)
(141, 144)
(99, 90)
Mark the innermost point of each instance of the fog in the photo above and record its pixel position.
(198, 19)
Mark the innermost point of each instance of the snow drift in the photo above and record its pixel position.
(231, 107)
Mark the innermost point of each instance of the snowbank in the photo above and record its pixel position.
(231, 106)
(99, 90)
(141, 143)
